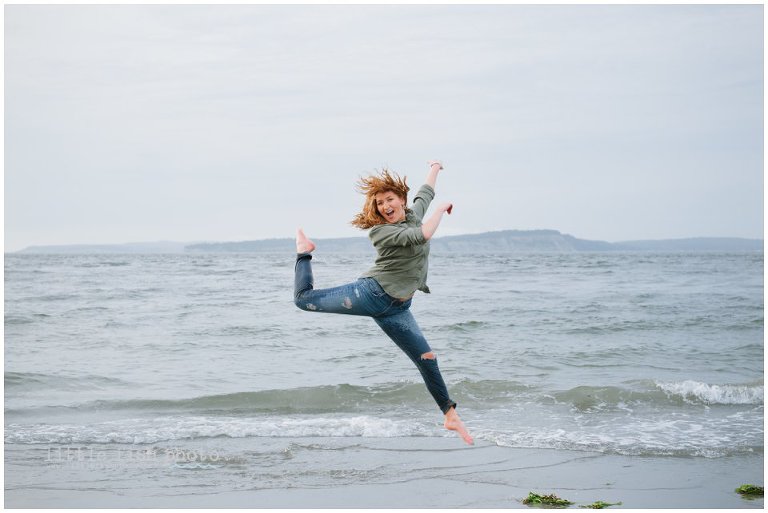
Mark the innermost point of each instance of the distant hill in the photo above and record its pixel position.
(518, 241)
(530, 241)
(344, 245)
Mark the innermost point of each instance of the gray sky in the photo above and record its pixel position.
(190, 123)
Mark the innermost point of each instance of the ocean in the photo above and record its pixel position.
(192, 372)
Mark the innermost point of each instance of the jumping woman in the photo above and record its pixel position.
(385, 291)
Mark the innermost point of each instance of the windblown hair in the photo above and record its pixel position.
(373, 185)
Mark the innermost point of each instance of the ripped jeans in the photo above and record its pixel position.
(366, 297)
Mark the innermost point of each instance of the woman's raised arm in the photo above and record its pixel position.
(429, 228)
(434, 168)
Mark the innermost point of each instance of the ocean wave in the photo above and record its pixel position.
(620, 326)
(54, 297)
(625, 443)
(650, 436)
(703, 393)
(317, 399)
(104, 263)
(20, 319)
(480, 394)
(658, 394)
(464, 327)
(21, 381)
(160, 429)
(591, 398)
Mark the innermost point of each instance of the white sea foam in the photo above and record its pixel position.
(648, 436)
(140, 431)
(694, 391)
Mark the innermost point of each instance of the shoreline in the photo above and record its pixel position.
(356, 472)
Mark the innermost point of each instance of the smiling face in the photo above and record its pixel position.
(390, 206)
(386, 197)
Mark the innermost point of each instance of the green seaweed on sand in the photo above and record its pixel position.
(750, 490)
(601, 505)
(551, 500)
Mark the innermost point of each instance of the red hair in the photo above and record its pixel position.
(373, 185)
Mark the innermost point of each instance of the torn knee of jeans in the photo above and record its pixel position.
(310, 306)
(347, 303)
(428, 356)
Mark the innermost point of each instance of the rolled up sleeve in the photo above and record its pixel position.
(396, 235)
(422, 200)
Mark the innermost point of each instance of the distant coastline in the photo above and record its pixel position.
(505, 241)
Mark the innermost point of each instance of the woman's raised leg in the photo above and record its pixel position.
(303, 279)
(351, 299)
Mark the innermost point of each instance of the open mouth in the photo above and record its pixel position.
(389, 212)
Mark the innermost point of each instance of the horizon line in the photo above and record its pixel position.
(187, 243)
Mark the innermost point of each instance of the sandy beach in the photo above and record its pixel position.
(344, 473)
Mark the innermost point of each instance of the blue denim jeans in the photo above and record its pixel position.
(366, 297)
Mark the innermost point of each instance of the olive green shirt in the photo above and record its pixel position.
(402, 251)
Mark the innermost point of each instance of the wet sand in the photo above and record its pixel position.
(414, 472)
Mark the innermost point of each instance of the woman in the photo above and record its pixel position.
(386, 290)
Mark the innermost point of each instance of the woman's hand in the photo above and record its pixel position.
(429, 228)
(435, 163)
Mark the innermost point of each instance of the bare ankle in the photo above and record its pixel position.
(454, 423)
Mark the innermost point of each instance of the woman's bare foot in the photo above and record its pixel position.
(303, 244)
(454, 423)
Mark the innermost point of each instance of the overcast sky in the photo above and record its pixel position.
(192, 123)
